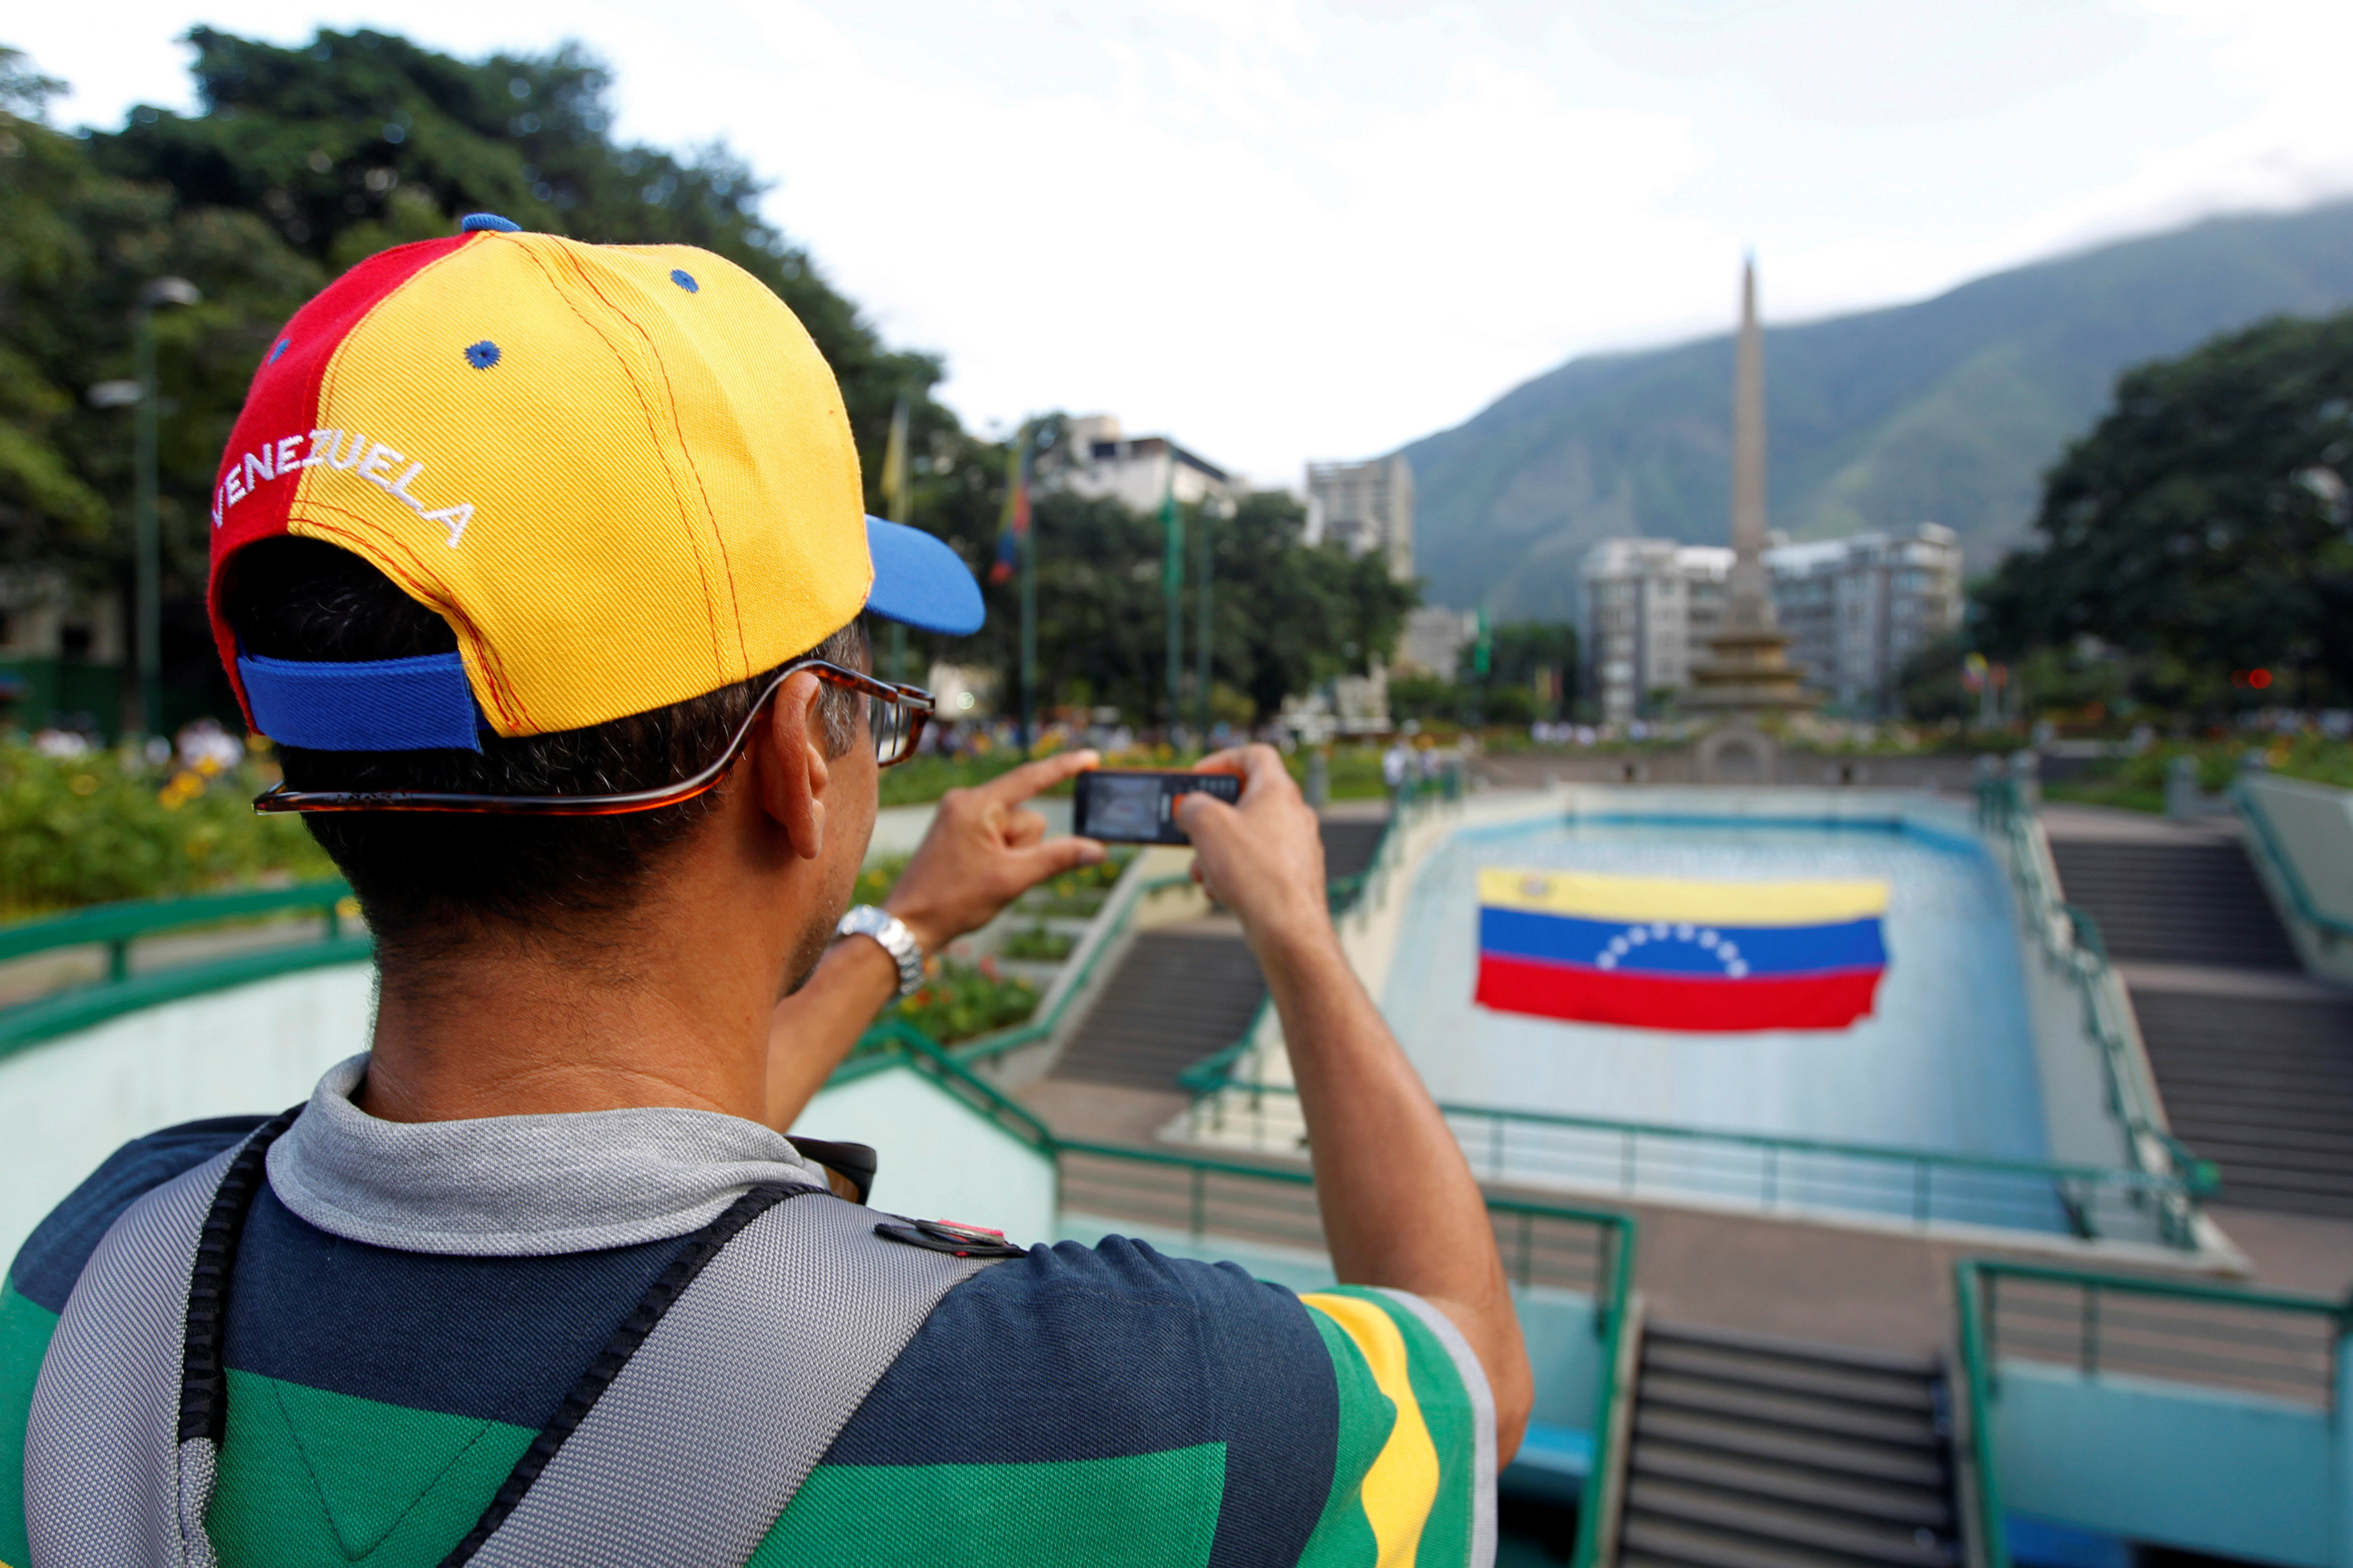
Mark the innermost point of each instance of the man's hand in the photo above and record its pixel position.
(984, 851)
(1263, 857)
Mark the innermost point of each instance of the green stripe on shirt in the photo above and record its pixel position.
(1152, 1510)
(24, 1330)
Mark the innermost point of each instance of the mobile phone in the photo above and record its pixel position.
(1138, 805)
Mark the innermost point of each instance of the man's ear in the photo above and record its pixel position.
(793, 770)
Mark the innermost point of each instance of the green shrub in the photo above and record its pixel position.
(92, 829)
(958, 1001)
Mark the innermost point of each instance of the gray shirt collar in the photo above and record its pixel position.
(519, 1186)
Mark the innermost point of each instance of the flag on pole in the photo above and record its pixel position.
(1013, 527)
(1670, 952)
(894, 466)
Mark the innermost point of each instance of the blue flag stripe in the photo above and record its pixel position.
(1675, 948)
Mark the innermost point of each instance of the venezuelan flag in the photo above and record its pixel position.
(1665, 952)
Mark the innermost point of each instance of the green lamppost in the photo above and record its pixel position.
(1203, 622)
(1172, 588)
(147, 549)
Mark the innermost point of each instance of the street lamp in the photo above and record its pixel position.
(157, 293)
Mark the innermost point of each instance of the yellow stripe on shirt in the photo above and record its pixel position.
(1402, 1482)
(1595, 896)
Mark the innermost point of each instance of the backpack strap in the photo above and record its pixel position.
(120, 1399)
(681, 1444)
(695, 1427)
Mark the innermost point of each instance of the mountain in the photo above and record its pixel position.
(1949, 410)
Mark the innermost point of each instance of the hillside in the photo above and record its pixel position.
(1947, 410)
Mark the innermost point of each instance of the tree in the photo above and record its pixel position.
(301, 162)
(1521, 654)
(1288, 616)
(2203, 521)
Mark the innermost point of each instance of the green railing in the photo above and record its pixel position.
(2154, 1200)
(2265, 1342)
(116, 927)
(2070, 940)
(1773, 1172)
(2251, 810)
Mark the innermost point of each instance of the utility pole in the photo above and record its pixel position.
(1025, 537)
(899, 503)
(1204, 622)
(147, 529)
(1172, 585)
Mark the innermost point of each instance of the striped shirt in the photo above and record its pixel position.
(1073, 1405)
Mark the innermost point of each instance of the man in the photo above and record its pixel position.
(544, 565)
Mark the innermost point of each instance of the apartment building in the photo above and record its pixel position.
(1855, 609)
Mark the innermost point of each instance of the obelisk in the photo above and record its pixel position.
(1747, 674)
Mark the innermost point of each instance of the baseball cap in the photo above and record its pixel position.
(623, 474)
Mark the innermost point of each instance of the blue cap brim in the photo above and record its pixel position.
(920, 582)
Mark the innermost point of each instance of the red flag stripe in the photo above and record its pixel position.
(1832, 999)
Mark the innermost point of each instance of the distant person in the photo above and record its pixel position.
(546, 566)
(1396, 769)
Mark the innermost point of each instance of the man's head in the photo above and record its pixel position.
(510, 515)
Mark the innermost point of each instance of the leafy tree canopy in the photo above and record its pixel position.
(1286, 615)
(299, 162)
(2204, 521)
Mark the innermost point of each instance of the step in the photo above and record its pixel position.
(1910, 1546)
(1729, 1536)
(1853, 1356)
(1906, 1465)
(1888, 1391)
(1910, 1507)
(1706, 1397)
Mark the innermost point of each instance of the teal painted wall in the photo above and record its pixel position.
(2168, 1464)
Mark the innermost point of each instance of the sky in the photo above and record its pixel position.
(1292, 229)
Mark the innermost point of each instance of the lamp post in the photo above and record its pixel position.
(158, 293)
(1172, 588)
(1203, 623)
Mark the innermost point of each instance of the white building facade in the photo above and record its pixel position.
(1364, 507)
(1095, 459)
(1855, 609)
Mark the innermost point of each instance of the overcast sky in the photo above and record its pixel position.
(1283, 230)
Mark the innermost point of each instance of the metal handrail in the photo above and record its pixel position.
(1772, 1141)
(120, 924)
(2252, 811)
(1973, 1278)
(117, 926)
(2132, 1097)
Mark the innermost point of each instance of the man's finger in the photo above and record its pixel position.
(1197, 810)
(1256, 762)
(1022, 783)
(1023, 828)
(1057, 855)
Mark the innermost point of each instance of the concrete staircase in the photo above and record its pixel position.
(1759, 1453)
(1184, 992)
(2253, 1059)
(2191, 900)
(1179, 995)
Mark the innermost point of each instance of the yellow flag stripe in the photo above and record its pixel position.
(1595, 896)
(1402, 1484)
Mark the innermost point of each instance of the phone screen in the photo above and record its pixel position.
(1122, 807)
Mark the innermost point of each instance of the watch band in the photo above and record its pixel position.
(896, 939)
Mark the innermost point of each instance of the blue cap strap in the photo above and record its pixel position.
(379, 705)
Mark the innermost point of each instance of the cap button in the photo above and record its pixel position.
(490, 221)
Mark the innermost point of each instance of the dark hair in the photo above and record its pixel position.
(427, 880)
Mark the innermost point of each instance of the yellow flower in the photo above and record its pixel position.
(84, 784)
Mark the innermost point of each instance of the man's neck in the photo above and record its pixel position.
(669, 1006)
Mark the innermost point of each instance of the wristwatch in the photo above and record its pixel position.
(896, 938)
